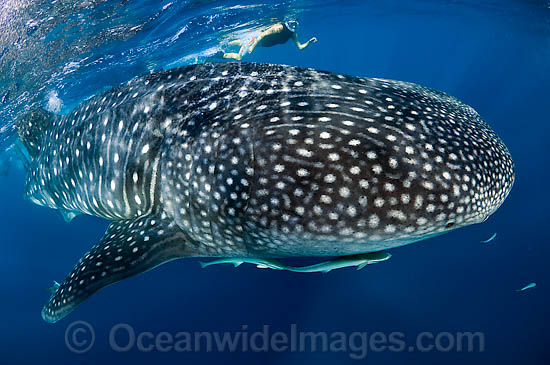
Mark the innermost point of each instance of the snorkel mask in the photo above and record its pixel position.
(292, 25)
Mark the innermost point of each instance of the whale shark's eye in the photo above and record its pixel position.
(450, 224)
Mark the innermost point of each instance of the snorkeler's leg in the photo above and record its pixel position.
(236, 42)
(233, 56)
(255, 43)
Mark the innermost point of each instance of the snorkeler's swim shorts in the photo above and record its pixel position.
(246, 43)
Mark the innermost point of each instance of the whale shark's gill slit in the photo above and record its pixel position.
(154, 195)
(125, 179)
(251, 185)
(128, 248)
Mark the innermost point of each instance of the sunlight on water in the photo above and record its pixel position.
(79, 42)
(78, 48)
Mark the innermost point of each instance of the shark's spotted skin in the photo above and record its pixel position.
(249, 160)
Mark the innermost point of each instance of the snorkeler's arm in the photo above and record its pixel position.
(302, 45)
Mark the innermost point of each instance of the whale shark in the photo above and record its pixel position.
(258, 161)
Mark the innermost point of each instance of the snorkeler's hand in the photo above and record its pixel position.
(312, 40)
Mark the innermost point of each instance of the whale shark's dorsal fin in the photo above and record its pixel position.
(31, 126)
(128, 248)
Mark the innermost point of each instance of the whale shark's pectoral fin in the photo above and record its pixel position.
(128, 248)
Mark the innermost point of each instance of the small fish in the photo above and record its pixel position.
(237, 261)
(528, 286)
(360, 260)
(490, 238)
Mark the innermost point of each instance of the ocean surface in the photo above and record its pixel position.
(413, 309)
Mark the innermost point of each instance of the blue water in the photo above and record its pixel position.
(493, 55)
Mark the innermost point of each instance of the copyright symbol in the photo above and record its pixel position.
(79, 337)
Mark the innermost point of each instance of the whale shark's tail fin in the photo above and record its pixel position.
(14, 155)
(31, 126)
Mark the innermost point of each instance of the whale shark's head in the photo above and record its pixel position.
(462, 170)
(487, 177)
(379, 161)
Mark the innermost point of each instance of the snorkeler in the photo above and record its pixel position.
(278, 33)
